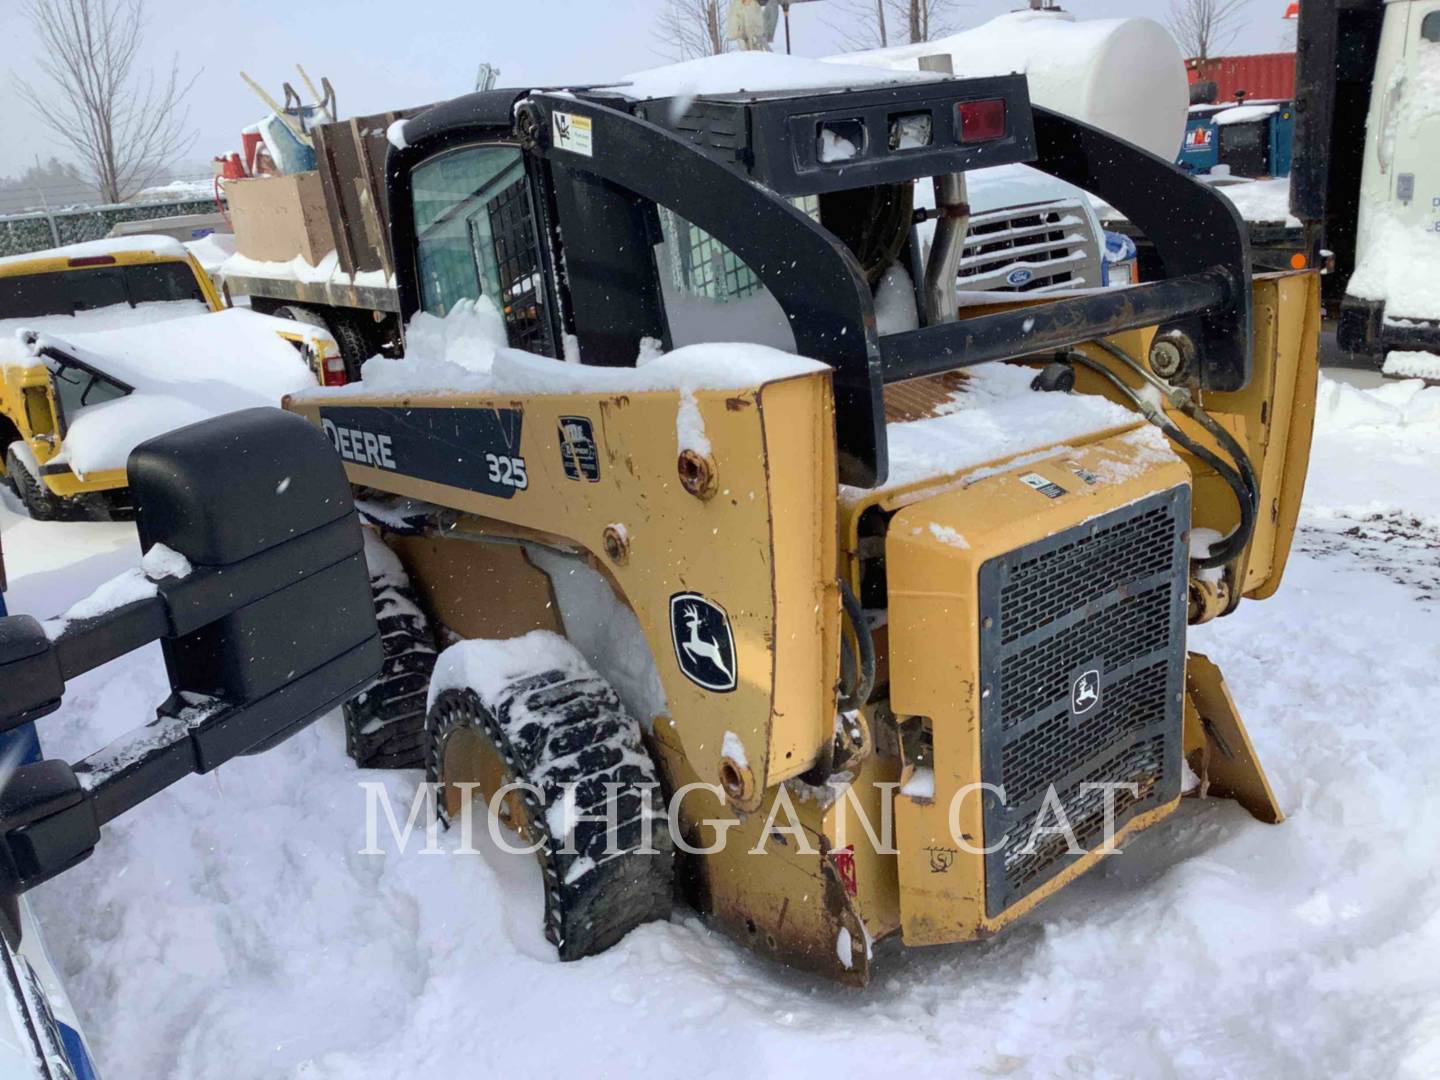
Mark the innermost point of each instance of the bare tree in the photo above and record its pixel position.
(123, 122)
(925, 20)
(874, 24)
(691, 28)
(865, 25)
(1204, 27)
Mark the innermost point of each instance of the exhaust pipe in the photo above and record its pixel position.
(952, 226)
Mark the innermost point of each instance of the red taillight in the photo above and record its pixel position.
(334, 373)
(981, 121)
(92, 260)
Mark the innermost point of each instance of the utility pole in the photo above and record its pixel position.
(785, 7)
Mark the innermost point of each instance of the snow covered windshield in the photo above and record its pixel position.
(66, 292)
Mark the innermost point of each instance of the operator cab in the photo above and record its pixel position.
(601, 225)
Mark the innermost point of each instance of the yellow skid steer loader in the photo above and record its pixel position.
(872, 621)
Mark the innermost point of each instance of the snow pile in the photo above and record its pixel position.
(605, 630)
(465, 352)
(212, 250)
(1413, 365)
(1125, 76)
(490, 667)
(328, 272)
(1396, 264)
(1262, 200)
(183, 371)
(1341, 407)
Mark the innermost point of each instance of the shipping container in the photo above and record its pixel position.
(1265, 76)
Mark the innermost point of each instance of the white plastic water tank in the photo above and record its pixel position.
(1123, 75)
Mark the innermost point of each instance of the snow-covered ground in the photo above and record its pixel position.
(230, 928)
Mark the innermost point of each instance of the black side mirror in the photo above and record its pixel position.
(265, 618)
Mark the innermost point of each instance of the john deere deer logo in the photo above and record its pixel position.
(1085, 691)
(704, 645)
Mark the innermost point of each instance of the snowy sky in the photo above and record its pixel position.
(377, 65)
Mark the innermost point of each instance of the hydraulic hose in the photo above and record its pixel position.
(1231, 547)
(854, 696)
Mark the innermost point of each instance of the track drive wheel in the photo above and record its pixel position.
(385, 722)
(548, 731)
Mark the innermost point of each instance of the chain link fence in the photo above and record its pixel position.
(21, 234)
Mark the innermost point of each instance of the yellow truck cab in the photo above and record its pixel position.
(113, 291)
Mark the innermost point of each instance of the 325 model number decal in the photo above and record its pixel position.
(507, 471)
(473, 449)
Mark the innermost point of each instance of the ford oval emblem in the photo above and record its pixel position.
(1019, 277)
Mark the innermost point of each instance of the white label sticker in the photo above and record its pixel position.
(1048, 488)
(574, 133)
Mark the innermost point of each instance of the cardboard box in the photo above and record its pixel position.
(279, 217)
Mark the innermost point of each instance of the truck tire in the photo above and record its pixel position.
(551, 730)
(354, 346)
(385, 722)
(39, 502)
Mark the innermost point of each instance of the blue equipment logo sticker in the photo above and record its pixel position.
(578, 452)
(704, 644)
(1019, 276)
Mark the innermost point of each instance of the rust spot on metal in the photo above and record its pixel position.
(698, 474)
(735, 404)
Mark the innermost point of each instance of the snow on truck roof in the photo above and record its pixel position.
(757, 73)
(162, 246)
(1244, 114)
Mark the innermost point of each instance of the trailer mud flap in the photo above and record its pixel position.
(1217, 746)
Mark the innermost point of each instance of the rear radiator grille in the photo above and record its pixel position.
(1104, 599)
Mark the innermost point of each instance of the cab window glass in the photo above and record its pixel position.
(78, 387)
(711, 295)
(1430, 27)
(475, 236)
(65, 292)
(162, 283)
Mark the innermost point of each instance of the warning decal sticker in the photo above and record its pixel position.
(574, 133)
(1048, 488)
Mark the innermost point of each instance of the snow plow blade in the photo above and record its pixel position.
(1218, 747)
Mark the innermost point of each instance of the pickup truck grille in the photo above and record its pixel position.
(1027, 249)
(1106, 597)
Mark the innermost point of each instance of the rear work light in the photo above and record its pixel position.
(92, 260)
(981, 121)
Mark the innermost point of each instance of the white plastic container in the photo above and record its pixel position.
(1125, 76)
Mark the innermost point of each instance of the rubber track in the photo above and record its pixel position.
(385, 722)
